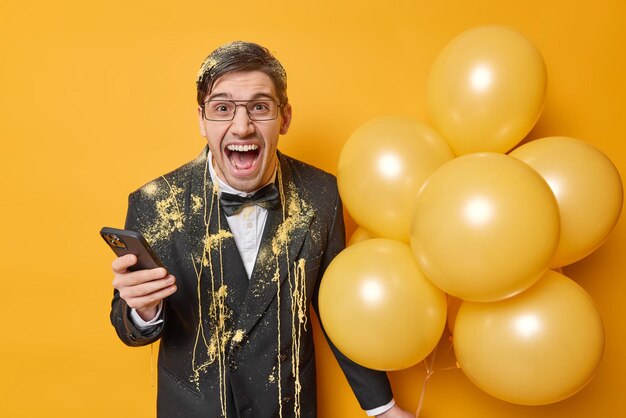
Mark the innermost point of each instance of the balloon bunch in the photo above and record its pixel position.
(446, 213)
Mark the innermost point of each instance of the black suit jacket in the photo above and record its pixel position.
(232, 346)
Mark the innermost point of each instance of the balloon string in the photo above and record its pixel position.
(419, 406)
(430, 371)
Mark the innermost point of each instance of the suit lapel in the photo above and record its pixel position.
(216, 260)
(285, 231)
(201, 211)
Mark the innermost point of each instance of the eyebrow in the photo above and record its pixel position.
(228, 96)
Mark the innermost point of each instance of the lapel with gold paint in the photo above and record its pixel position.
(286, 229)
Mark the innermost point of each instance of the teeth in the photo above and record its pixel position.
(242, 148)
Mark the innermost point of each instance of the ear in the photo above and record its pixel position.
(286, 118)
(201, 122)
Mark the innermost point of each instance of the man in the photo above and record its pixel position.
(232, 309)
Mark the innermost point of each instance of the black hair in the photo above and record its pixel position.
(240, 56)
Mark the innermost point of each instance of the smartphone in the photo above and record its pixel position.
(123, 241)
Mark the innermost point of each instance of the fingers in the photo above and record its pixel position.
(142, 294)
(123, 277)
(141, 289)
(121, 264)
(127, 278)
(149, 294)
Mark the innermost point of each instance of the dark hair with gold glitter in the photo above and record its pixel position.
(240, 56)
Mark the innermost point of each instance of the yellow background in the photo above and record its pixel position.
(96, 98)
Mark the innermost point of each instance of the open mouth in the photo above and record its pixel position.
(242, 157)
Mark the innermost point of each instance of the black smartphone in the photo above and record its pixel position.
(123, 241)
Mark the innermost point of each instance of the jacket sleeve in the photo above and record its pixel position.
(371, 387)
(120, 312)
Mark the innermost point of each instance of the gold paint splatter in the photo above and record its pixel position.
(238, 336)
(208, 64)
(214, 241)
(150, 189)
(280, 396)
(196, 204)
(169, 217)
(299, 213)
(298, 324)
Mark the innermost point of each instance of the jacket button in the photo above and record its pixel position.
(287, 399)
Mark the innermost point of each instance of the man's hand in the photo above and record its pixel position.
(142, 289)
(396, 412)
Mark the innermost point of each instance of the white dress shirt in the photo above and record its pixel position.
(247, 226)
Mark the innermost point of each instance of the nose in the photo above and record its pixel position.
(241, 125)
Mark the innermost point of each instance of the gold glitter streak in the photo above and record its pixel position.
(298, 218)
(218, 315)
(298, 324)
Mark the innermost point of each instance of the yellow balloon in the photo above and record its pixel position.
(381, 168)
(360, 234)
(587, 187)
(486, 227)
(378, 308)
(539, 347)
(486, 90)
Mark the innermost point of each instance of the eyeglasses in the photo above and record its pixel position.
(224, 110)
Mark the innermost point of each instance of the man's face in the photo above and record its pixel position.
(244, 151)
